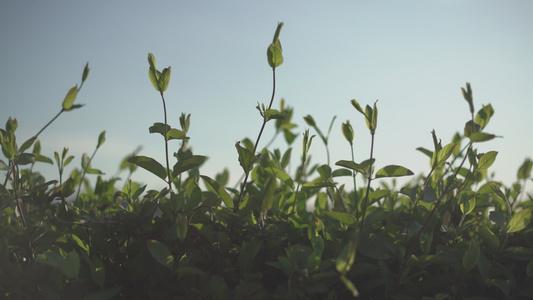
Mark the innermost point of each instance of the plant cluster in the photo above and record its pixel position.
(453, 233)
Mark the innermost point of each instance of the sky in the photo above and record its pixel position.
(414, 56)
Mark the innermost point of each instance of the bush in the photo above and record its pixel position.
(453, 233)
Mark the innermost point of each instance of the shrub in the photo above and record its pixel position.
(452, 233)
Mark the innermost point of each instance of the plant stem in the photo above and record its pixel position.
(365, 199)
(169, 181)
(354, 185)
(247, 173)
(15, 188)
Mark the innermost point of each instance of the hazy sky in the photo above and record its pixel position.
(414, 56)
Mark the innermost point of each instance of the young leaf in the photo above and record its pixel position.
(358, 107)
(273, 114)
(347, 131)
(85, 73)
(467, 202)
(393, 171)
(478, 137)
(101, 139)
(483, 115)
(467, 94)
(444, 154)
(27, 144)
(150, 165)
(160, 253)
(246, 158)
(164, 79)
(69, 98)
(520, 220)
(486, 160)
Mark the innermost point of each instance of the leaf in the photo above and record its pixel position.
(101, 139)
(347, 131)
(429, 195)
(183, 226)
(346, 258)
(350, 286)
(160, 253)
(444, 154)
(467, 202)
(483, 115)
(274, 55)
(97, 269)
(85, 72)
(219, 190)
(149, 164)
(425, 151)
(70, 97)
(27, 144)
(486, 160)
(273, 114)
(471, 256)
(281, 175)
(187, 164)
(351, 165)
(393, 171)
(356, 105)
(71, 265)
(24, 159)
(344, 218)
(525, 169)
(164, 79)
(478, 137)
(246, 158)
(104, 294)
(520, 220)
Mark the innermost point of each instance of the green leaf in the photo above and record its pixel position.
(486, 160)
(219, 190)
(310, 120)
(164, 79)
(351, 165)
(101, 139)
(97, 269)
(471, 256)
(154, 74)
(273, 114)
(393, 171)
(429, 195)
(187, 164)
(183, 226)
(104, 294)
(274, 51)
(470, 128)
(281, 175)
(171, 133)
(520, 220)
(27, 144)
(483, 115)
(160, 253)
(246, 158)
(69, 98)
(24, 159)
(467, 202)
(467, 94)
(85, 72)
(444, 154)
(344, 218)
(478, 137)
(524, 172)
(149, 164)
(71, 265)
(347, 131)
(357, 106)
(490, 240)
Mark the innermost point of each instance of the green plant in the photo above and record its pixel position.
(453, 233)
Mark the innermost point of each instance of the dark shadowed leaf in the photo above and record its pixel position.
(71, 265)
(246, 158)
(351, 165)
(187, 164)
(344, 218)
(104, 294)
(160, 253)
(219, 190)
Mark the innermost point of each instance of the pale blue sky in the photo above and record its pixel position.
(414, 56)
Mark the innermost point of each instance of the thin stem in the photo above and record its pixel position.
(169, 181)
(365, 200)
(45, 126)
(247, 173)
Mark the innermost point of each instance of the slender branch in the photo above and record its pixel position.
(365, 200)
(247, 173)
(166, 143)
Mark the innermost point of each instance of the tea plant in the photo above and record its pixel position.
(453, 233)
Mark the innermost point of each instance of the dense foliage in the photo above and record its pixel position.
(453, 233)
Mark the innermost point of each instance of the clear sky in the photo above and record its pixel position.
(414, 56)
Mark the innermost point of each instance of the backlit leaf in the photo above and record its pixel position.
(70, 97)
(351, 165)
(478, 137)
(219, 190)
(188, 163)
(486, 160)
(445, 153)
(101, 139)
(525, 169)
(246, 158)
(520, 220)
(344, 218)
